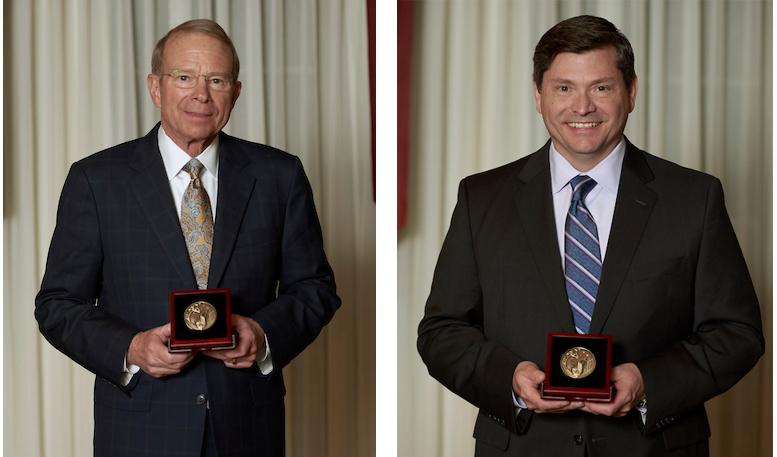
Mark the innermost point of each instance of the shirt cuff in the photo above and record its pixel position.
(265, 365)
(518, 402)
(642, 408)
(127, 372)
(518, 405)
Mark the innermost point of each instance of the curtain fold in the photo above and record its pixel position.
(704, 101)
(76, 84)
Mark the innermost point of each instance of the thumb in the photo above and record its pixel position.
(164, 331)
(538, 376)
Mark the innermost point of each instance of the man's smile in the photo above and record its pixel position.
(583, 125)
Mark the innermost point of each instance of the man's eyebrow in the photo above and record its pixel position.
(606, 79)
(193, 72)
(560, 80)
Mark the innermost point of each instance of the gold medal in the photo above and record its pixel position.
(578, 362)
(199, 316)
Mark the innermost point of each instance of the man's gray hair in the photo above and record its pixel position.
(204, 26)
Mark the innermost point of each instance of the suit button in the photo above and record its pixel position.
(578, 439)
(200, 399)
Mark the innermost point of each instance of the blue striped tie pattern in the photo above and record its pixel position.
(582, 256)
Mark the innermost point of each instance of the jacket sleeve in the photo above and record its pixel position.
(307, 297)
(726, 340)
(67, 308)
(451, 341)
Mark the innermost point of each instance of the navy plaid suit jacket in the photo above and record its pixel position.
(116, 253)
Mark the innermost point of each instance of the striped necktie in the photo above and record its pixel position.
(582, 257)
(197, 223)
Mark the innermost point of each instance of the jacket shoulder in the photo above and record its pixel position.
(672, 175)
(112, 156)
(488, 184)
(257, 156)
(499, 174)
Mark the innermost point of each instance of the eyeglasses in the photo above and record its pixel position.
(184, 80)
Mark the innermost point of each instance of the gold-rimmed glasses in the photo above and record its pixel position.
(188, 80)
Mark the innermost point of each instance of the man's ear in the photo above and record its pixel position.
(236, 91)
(152, 82)
(537, 98)
(633, 94)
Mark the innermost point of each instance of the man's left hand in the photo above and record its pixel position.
(629, 390)
(250, 344)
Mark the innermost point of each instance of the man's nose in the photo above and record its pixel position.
(583, 104)
(201, 91)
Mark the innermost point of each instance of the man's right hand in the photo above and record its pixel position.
(148, 350)
(526, 381)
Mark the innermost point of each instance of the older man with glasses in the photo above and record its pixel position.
(187, 208)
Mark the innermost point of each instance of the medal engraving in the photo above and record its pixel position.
(578, 362)
(199, 316)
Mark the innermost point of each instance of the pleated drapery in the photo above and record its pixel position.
(75, 73)
(704, 101)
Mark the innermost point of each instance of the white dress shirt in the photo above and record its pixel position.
(600, 201)
(174, 159)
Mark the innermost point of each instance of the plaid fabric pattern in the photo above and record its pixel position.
(118, 250)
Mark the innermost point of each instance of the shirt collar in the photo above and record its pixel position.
(606, 173)
(175, 158)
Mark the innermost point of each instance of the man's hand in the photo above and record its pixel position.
(250, 344)
(526, 380)
(629, 390)
(148, 350)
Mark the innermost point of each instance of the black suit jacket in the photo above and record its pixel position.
(675, 295)
(118, 250)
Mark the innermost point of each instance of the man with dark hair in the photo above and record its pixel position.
(187, 207)
(590, 235)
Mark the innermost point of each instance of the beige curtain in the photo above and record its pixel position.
(704, 101)
(75, 83)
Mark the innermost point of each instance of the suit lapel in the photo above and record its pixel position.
(152, 189)
(534, 202)
(235, 189)
(633, 206)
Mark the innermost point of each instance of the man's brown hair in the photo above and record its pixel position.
(581, 34)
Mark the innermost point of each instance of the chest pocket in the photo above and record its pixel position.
(655, 268)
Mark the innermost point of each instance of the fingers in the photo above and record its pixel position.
(555, 406)
(250, 344)
(164, 331)
(149, 351)
(616, 408)
(526, 381)
(629, 388)
(161, 362)
(536, 403)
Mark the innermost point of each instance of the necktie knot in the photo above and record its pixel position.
(581, 185)
(194, 168)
